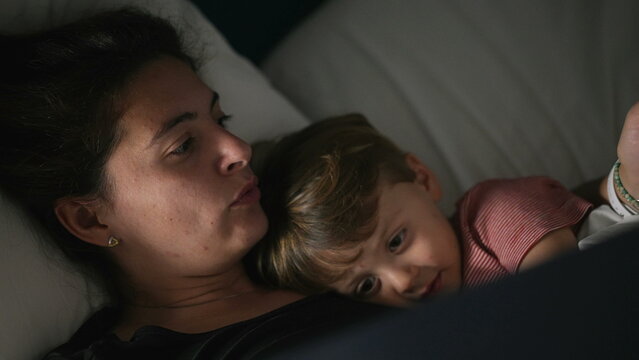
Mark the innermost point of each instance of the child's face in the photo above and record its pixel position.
(412, 254)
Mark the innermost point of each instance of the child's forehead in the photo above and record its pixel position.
(387, 215)
(390, 200)
(354, 261)
(349, 265)
(361, 254)
(344, 256)
(357, 257)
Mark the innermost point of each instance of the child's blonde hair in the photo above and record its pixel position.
(320, 195)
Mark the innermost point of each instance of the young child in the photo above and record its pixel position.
(350, 212)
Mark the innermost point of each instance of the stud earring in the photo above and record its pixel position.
(113, 242)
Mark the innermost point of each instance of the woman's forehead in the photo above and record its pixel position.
(163, 90)
(163, 83)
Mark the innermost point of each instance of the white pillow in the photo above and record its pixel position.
(476, 89)
(42, 300)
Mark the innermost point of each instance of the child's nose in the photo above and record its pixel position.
(403, 279)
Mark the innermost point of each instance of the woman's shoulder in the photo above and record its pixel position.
(271, 332)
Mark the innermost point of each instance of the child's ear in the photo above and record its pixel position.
(424, 176)
(80, 218)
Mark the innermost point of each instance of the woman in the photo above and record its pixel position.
(116, 146)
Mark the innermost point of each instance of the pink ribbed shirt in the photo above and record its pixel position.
(499, 221)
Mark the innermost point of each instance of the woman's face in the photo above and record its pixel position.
(184, 200)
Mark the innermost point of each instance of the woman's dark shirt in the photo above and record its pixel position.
(271, 332)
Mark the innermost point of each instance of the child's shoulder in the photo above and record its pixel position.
(523, 186)
(498, 195)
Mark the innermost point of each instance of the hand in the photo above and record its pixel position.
(628, 152)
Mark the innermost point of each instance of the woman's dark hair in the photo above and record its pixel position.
(59, 108)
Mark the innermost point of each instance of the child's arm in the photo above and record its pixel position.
(551, 245)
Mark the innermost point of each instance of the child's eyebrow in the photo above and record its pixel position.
(350, 277)
(355, 280)
(352, 282)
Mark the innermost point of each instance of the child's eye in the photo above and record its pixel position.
(223, 120)
(367, 287)
(397, 241)
(183, 148)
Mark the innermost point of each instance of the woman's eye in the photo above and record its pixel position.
(223, 120)
(367, 287)
(183, 148)
(397, 241)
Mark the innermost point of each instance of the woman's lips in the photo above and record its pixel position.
(249, 194)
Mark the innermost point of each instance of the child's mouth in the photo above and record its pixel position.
(434, 286)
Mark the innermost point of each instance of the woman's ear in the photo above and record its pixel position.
(80, 218)
(424, 176)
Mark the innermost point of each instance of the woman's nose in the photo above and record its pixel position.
(235, 154)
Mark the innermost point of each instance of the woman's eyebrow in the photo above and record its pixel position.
(171, 123)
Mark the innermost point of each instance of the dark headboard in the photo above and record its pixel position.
(252, 27)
